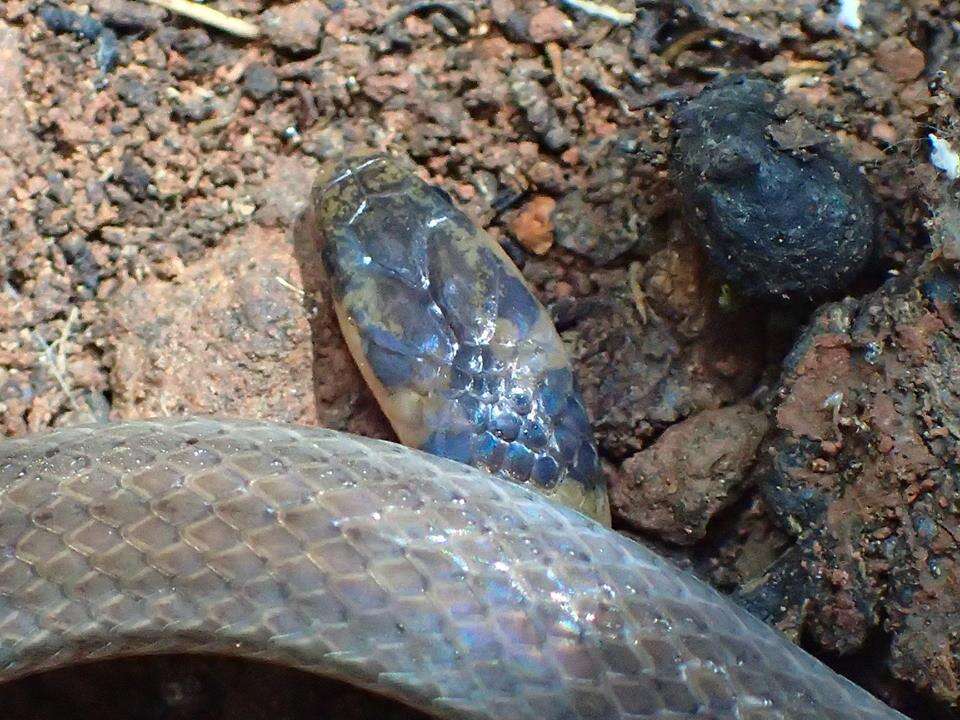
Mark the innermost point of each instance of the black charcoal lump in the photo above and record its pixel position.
(780, 211)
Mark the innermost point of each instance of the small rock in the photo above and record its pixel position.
(73, 132)
(550, 24)
(127, 16)
(60, 20)
(600, 232)
(532, 224)
(694, 470)
(884, 132)
(193, 107)
(945, 234)
(56, 223)
(17, 9)
(296, 27)
(540, 113)
(795, 133)
(135, 93)
(284, 194)
(77, 252)
(260, 81)
(514, 23)
(135, 178)
(200, 54)
(899, 59)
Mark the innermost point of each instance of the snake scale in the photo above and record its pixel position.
(414, 576)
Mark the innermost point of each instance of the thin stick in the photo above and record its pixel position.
(57, 361)
(594, 9)
(682, 43)
(209, 16)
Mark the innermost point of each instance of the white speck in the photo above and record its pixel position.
(849, 15)
(833, 402)
(501, 566)
(356, 213)
(944, 157)
(433, 222)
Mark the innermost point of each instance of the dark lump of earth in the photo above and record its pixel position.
(780, 211)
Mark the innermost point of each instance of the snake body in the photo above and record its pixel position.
(463, 359)
(417, 577)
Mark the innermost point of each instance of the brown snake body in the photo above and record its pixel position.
(419, 578)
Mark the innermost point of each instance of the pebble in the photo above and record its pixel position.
(549, 25)
(128, 16)
(135, 178)
(540, 113)
(532, 225)
(899, 59)
(600, 232)
(694, 470)
(60, 20)
(135, 93)
(16, 141)
(85, 27)
(260, 81)
(296, 27)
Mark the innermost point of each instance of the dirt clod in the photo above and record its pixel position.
(550, 24)
(295, 27)
(780, 215)
(532, 225)
(867, 432)
(695, 469)
(900, 59)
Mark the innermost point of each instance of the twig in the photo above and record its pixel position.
(226, 115)
(299, 291)
(598, 10)
(209, 16)
(64, 336)
(461, 17)
(636, 291)
(57, 361)
(682, 43)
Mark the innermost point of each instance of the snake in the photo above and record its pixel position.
(485, 591)
(463, 359)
